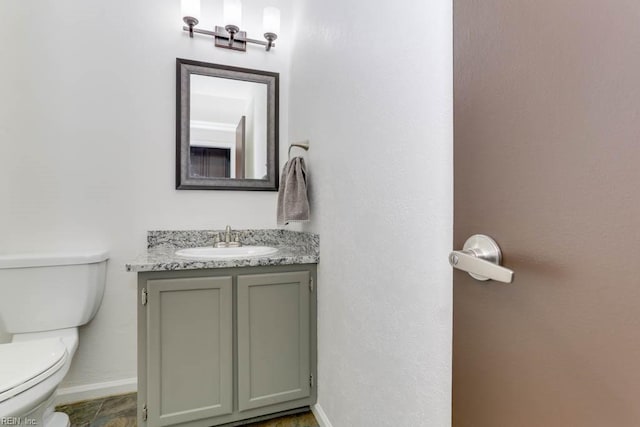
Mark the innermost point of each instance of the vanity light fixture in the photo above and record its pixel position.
(230, 36)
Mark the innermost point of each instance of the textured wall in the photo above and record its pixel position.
(377, 111)
(87, 125)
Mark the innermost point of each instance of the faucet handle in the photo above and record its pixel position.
(235, 243)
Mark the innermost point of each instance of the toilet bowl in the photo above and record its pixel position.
(29, 375)
(43, 300)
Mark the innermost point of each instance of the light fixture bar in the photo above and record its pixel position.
(222, 37)
(229, 36)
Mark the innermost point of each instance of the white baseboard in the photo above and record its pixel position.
(321, 417)
(94, 391)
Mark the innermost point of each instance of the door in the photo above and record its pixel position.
(240, 148)
(190, 347)
(547, 162)
(274, 362)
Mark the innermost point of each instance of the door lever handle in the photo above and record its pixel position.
(481, 258)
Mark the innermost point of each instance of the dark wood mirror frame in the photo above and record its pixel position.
(184, 69)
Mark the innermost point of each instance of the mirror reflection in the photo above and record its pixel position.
(227, 127)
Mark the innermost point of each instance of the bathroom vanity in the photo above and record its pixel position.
(225, 340)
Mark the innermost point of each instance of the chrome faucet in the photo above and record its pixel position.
(227, 240)
(227, 235)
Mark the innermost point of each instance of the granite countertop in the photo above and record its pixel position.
(293, 248)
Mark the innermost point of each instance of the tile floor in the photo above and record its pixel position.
(120, 411)
(115, 411)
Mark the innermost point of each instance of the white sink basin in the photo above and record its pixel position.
(209, 252)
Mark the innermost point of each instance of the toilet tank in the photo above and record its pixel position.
(43, 292)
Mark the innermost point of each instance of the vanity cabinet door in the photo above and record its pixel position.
(273, 338)
(189, 349)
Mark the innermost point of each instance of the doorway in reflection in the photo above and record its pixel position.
(209, 162)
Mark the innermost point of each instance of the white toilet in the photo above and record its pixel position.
(43, 300)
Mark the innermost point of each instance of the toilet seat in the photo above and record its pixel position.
(25, 364)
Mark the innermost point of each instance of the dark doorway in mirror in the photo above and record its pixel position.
(210, 162)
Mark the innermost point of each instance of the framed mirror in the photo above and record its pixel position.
(226, 127)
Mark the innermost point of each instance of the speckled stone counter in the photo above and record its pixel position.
(293, 248)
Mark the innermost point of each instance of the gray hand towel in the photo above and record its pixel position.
(293, 204)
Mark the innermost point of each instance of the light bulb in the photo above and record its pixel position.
(271, 20)
(232, 11)
(191, 8)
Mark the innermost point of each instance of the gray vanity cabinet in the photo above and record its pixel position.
(217, 346)
(189, 362)
(273, 338)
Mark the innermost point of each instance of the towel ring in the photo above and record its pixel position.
(303, 144)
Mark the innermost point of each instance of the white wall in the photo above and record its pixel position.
(257, 158)
(87, 143)
(371, 88)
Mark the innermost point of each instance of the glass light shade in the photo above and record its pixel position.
(190, 8)
(271, 20)
(232, 11)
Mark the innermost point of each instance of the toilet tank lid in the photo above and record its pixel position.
(52, 259)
